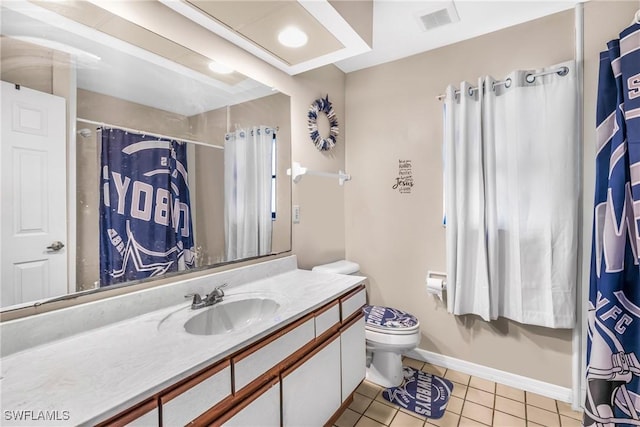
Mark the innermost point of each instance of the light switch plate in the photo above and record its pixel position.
(296, 214)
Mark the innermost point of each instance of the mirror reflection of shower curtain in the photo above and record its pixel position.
(512, 185)
(145, 215)
(247, 192)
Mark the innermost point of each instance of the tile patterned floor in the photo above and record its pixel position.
(474, 402)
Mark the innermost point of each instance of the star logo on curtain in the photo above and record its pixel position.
(135, 256)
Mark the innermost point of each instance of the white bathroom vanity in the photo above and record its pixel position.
(291, 352)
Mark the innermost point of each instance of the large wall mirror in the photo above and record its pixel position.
(125, 157)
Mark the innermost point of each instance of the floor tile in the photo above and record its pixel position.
(368, 422)
(481, 397)
(415, 364)
(510, 392)
(403, 419)
(348, 418)
(433, 369)
(455, 405)
(380, 398)
(474, 401)
(368, 389)
(541, 402)
(380, 412)
(482, 384)
(457, 377)
(413, 414)
(566, 410)
(510, 407)
(466, 422)
(477, 412)
(501, 419)
(569, 422)
(543, 417)
(360, 403)
(449, 419)
(459, 390)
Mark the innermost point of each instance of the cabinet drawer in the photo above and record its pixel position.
(196, 396)
(146, 414)
(352, 302)
(151, 418)
(260, 409)
(327, 317)
(252, 364)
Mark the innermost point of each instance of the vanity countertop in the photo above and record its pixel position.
(98, 373)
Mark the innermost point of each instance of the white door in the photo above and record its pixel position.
(33, 214)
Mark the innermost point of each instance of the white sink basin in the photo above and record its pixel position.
(229, 316)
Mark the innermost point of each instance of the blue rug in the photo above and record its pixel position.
(421, 392)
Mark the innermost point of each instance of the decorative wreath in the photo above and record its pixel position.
(322, 105)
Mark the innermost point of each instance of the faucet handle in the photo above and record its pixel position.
(197, 299)
(218, 289)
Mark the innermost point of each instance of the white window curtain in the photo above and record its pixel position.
(511, 197)
(247, 192)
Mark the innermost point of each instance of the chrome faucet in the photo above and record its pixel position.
(212, 298)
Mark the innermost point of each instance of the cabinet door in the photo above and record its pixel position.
(195, 397)
(353, 355)
(262, 410)
(311, 388)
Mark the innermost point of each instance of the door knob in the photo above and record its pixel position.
(55, 246)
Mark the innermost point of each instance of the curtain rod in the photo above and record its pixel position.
(531, 77)
(157, 135)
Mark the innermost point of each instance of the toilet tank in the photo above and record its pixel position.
(338, 267)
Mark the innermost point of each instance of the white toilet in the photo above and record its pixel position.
(389, 333)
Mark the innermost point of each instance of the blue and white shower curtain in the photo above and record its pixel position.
(613, 387)
(145, 215)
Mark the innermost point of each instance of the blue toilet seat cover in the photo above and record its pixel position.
(388, 318)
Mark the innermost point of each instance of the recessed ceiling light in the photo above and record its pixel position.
(219, 68)
(292, 37)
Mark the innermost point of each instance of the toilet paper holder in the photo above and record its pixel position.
(438, 275)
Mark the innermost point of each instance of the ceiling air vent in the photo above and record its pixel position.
(444, 15)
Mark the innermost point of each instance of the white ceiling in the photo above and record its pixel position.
(397, 32)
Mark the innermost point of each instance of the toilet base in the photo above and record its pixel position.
(385, 369)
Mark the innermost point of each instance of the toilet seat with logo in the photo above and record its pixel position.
(389, 320)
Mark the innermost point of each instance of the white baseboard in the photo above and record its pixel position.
(553, 391)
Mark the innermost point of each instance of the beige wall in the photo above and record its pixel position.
(397, 238)
(26, 64)
(209, 209)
